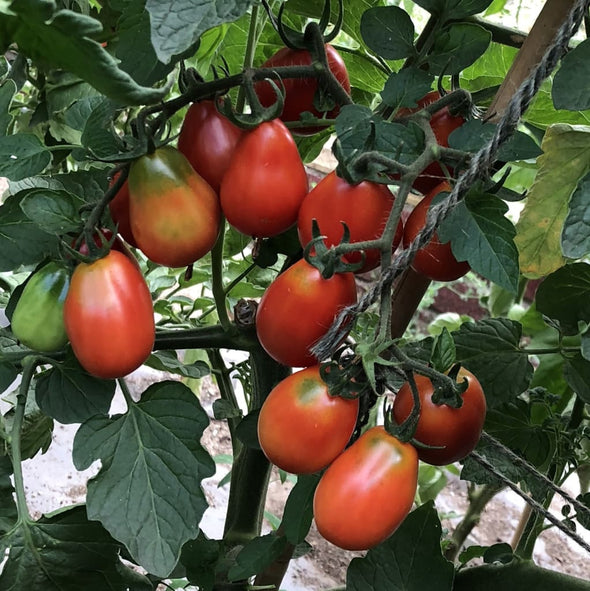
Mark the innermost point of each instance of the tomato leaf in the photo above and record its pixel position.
(99, 135)
(200, 557)
(168, 361)
(406, 87)
(21, 241)
(55, 212)
(485, 239)
(565, 296)
(178, 24)
(570, 88)
(410, 560)
(490, 349)
(575, 236)
(7, 91)
(453, 9)
(152, 449)
(22, 155)
(66, 552)
(8, 512)
(577, 374)
(256, 555)
(69, 394)
(444, 353)
(389, 32)
(566, 159)
(298, 513)
(8, 373)
(457, 47)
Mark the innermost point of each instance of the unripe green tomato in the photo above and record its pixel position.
(37, 320)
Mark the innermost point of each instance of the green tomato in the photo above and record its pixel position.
(37, 320)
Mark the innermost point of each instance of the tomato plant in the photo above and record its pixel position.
(301, 427)
(208, 140)
(265, 183)
(300, 93)
(364, 208)
(175, 214)
(297, 309)
(455, 430)
(38, 320)
(367, 491)
(435, 260)
(108, 316)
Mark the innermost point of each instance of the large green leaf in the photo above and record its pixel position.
(453, 9)
(256, 555)
(566, 159)
(8, 513)
(575, 236)
(54, 212)
(485, 238)
(148, 491)
(490, 349)
(410, 560)
(571, 85)
(63, 39)
(178, 24)
(406, 87)
(65, 552)
(298, 513)
(388, 31)
(7, 91)
(22, 155)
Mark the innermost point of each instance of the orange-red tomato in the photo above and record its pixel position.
(175, 214)
(108, 315)
(208, 140)
(367, 491)
(301, 427)
(297, 310)
(263, 188)
(455, 430)
(364, 208)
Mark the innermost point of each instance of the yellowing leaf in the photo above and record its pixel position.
(565, 160)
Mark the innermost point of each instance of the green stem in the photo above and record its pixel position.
(59, 147)
(206, 337)
(250, 52)
(551, 350)
(217, 281)
(29, 365)
(126, 392)
(239, 278)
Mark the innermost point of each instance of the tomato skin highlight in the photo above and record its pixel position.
(435, 260)
(208, 140)
(300, 92)
(301, 427)
(363, 207)
(263, 188)
(367, 491)
(175, 214)
(119, 209)
(457, 430)
(109, 317)
(38, 318)
(297, 310)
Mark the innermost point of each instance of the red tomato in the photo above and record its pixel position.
(364, 208)
(208, 140)
(175, 214)
(443, 124)
(265, 183)
(300, 92)
(456, 430)
(117, 244)
(435, 260)
(367, 491)
(301, 427)
(119, 208)
(297, 310)
(109, 317)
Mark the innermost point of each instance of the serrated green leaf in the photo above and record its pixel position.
(389, 32)
(298, 513)
(168, 361)
(457, 47)
(565, 296)
(22, 155)
(99, 135)
(566, 159)
(256, 555)
(571, 88)
(69, 394)
(490, 349)
(66, 552)
(444, 353)
(410, 560)
(453, 9)
(406, 87)
(485, 239)
(577, 373)
(152, 454)
(575, 236)
(178, 24)
(54, 212)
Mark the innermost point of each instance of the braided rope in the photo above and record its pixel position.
(479, 167)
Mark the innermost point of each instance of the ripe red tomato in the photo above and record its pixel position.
(435, 260)
(265, 183)
(442, 124)
(119, 208)
(109, 317)
(175, 214)
(367, 491)
(364, 208)
(297, 310)
(208, 140)
(456, 430)
(300, 92)
(301, 427)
